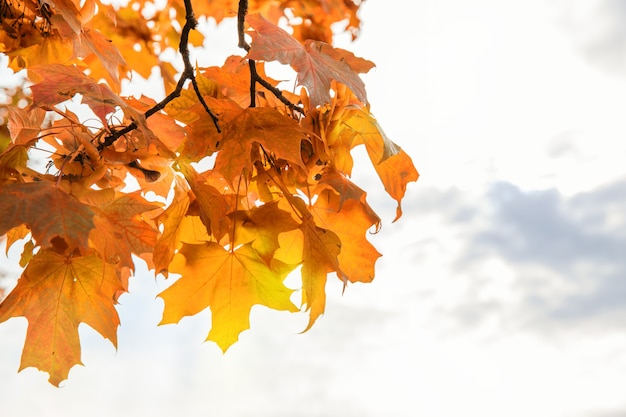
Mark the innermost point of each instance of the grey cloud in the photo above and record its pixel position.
(599, 31)
(543, 227)
(580, 239)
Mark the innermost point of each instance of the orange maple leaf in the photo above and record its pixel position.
(320, 249)
(121, 230)
(47, 211)
(25, 126)
(393, 166)
(276, 132)
(170, 220)
(229, 282)
(317, 63)
(211, 205)
(56, 293)
(74, 22)
(350, 220)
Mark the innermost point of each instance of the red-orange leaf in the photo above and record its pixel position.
(56, 294)
(56, 83)
(47, 211)
(317, 63)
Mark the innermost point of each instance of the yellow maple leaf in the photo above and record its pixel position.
(261, 226)
(229, 282)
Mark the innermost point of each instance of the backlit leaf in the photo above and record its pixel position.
(47, 211)
(56, 294)
(277, 133)
(230, 283)
(317, 63)
(121, 229)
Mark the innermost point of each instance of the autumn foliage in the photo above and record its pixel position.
(229, 182)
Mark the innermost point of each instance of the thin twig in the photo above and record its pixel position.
(279, 95)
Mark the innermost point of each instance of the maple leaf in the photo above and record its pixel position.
(51, 49)
(317, 249)
(277, 133)
(203, 138)
(75, 24)
(121, 230)
(229, 282)
(68, 10)
(233, 79)
(211, 204)
(261, 226)
(56, 293)
(350, 220)
(393, 166)
(317, 63)
(25, 126)
(320, 250)
(57, 83)
(109, 56)
(170, 220)
(47, 211)
(128, 30)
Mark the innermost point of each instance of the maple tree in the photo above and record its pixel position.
(230, 181)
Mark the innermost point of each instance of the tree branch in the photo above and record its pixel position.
(187, 74)
(241, 20)
(254, 75)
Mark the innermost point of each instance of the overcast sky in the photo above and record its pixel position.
(502, 290)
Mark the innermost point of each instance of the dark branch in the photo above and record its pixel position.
(254, 75)
(187, 74)
(241, 19)
(190, 23)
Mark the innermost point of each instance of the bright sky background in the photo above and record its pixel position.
(502, 290)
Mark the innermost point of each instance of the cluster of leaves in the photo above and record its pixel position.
(236, 182)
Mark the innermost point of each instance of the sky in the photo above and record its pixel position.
(501, 291)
